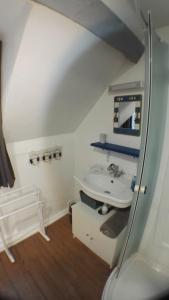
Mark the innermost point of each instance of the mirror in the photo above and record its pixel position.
(127, 114)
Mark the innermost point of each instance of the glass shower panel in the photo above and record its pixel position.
(155, 107)
(156, 247)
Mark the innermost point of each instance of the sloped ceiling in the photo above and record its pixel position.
(13, 17)
(126, 11)
(98, 18)
(60, 72)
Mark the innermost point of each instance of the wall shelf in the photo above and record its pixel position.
(116, 148)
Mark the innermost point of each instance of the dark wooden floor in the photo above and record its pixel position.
(61, 269)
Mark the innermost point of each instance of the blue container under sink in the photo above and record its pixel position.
(90, 201)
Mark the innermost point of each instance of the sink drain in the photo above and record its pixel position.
(107, 192)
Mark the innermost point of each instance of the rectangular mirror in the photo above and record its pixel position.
(127, 114)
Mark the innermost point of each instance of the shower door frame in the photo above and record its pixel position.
(144, 139)
(152, 140)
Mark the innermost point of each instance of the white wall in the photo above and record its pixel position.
(54, 72)
(13, 17)
(55, 180)
(100, 120)
(60, 72)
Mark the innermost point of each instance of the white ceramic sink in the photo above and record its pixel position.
(105, 188)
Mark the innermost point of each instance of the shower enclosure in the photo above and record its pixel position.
(141, 273)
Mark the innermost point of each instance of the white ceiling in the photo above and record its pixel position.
(60, 72)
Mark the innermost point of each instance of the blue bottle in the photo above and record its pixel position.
(133, 183)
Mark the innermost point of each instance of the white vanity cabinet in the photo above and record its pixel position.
(86, 223)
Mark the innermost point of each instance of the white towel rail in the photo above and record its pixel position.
(15, 197)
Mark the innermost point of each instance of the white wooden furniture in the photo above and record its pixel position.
(86, 223)
(15, 202)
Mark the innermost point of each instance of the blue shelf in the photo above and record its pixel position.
(116, 148)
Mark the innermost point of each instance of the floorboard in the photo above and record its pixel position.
(63, 269)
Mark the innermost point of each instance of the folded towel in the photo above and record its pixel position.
(116, 223)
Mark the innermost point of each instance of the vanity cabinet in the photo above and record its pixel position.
(86, 223)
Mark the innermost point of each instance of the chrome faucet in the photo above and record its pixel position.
(114, 169)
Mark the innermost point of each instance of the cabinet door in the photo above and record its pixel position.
(86, 227)
(81, 225)
(103, 246)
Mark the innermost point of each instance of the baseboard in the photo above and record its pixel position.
(10, 240)
(56, 217)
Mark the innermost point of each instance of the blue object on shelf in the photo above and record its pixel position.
(133, 183)
(116, 148)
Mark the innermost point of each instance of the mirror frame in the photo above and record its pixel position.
(138, 110)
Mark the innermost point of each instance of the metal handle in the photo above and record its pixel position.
(136, 188)
(141, 189)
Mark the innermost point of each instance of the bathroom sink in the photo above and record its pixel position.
(104, 187)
